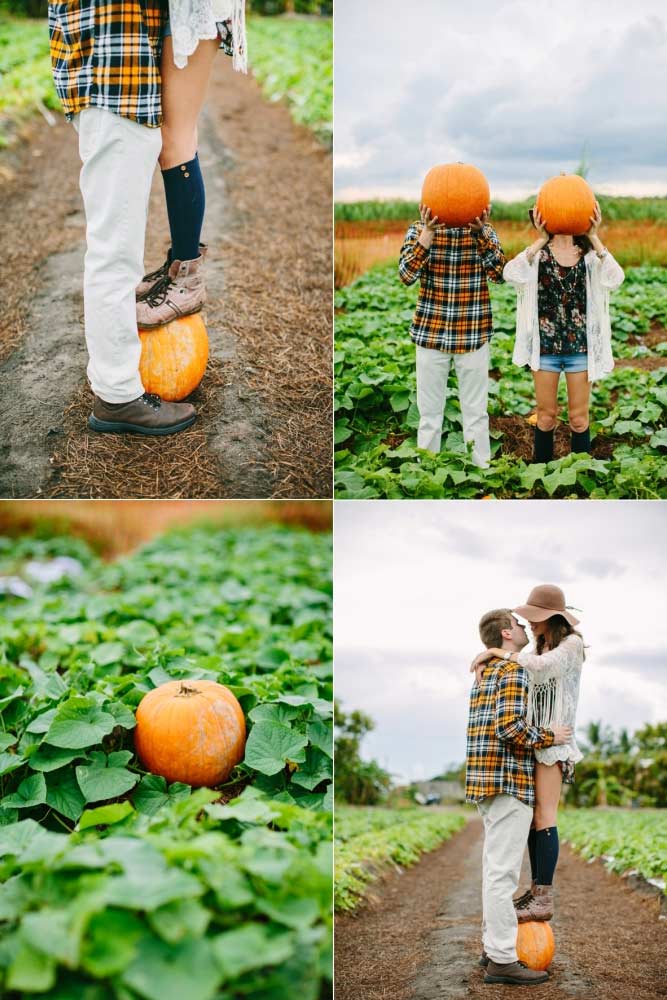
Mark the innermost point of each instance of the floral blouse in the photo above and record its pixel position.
(561, 305)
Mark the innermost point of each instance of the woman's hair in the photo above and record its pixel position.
(557, 629)
(582, 242)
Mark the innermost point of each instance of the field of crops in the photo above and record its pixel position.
(626, 841)
(118, 886)
(369, 838)
(376, 412)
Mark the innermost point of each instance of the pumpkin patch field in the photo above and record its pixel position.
(376, 411)
(118, 883)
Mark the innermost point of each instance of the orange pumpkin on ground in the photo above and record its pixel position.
(190, 731)
(456, 192)
(173, 357)
(535, 944)
(566, 203)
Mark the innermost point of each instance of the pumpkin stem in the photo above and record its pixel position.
(185, 691)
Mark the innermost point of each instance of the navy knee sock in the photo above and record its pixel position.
(546, 854)
(186, 201)
(581, 440)
(531, 853)
(544, 445)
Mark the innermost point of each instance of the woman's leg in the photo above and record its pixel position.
(546, 395)
(548, 782)
(578, 401)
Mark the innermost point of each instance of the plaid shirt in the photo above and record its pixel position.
(500, 743)
(106, 53)
(453, 311)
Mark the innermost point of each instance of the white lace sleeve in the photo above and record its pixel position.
(569, 653)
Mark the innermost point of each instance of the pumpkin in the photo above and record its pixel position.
(566, 203)
(190, 731)
(456, 192)
(173, 357)
(535, 944)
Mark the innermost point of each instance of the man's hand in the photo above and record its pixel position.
(562, 734)
(478, 223)
(431, 226)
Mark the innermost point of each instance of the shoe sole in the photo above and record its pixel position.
(508, 981)
(117, 427)
(156, 326)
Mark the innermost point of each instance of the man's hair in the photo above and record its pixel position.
(492, 624)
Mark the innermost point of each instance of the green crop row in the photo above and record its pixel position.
(628, 841)
(613, 208)
(368, 839)
(376, 411)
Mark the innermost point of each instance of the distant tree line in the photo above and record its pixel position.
(357, 781)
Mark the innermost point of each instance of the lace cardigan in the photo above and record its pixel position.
(553, 693)
(602, 276)
(192, 20)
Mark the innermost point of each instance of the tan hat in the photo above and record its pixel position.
(544, 602)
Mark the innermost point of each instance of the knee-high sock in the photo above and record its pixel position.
(546, 854)
(186, 201)
(544, 445)
(581, 440)
(531, 853)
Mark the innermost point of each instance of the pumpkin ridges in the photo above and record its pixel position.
(535, 944)
(174, 357)
(456, 192)
(566, 204)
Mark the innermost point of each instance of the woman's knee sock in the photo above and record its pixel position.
(544, 445)
(532, 853)
(186, 201)
(546, 854)
(581, 440)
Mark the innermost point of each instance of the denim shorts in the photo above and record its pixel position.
(166, 29)
(563, 362)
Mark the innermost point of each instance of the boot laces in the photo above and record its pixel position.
(158, 293)
(152, 400)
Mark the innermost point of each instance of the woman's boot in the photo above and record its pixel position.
(526, 896)
(179, 293)
(148, 280)
(544, 445)
(540, 907)
(581, 440)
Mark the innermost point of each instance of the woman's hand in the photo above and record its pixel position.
(595, 221)
(482, 659)
(540, 225)
(478, 223)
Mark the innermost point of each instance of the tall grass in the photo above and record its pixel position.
(628, 209)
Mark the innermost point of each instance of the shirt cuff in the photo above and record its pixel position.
(420, 249)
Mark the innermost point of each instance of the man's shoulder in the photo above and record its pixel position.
(507, 667)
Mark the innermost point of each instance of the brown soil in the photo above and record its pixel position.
(419, 938)
(656, 335)
(518, 435)
(264, 426)
(648, 364)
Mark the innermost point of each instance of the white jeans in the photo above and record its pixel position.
(506, 825)
(119, 158)
(472, 371)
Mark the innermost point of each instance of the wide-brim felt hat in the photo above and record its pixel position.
(545, 601)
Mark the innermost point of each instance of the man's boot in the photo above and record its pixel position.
(148, 280)
(179, 293)
(146, 415)
(514, 974)
(539, 907)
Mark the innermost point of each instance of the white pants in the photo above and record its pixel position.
(506, 825)
(119, 158)
(472, 371)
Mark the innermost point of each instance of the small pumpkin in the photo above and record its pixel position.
(566, 203)
(535, 945)
(173, 357)
(456, 192)
(190, 731)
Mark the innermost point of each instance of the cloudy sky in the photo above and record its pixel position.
(517, 87)
(412, 580)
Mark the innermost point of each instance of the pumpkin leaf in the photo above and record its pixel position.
(64, 795)
(317, 767)
(10, 762)
(271, 744)
(252, 947)
(110, 943)
(105, 815)
(152, 793)
(31, 792)
(31, 971)
(48, 758)
(79, 723)
(164, 971)
(180, 919)
(105, 777)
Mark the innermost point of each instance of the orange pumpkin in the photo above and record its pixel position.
(535, 944)
(190, 731)
(456, 192)
(173, 357)
(566, 203)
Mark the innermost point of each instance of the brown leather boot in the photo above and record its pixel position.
(146, 415)
(179, 293)
(539, 907)
(526, 896)
(151, 279)
(514, 974)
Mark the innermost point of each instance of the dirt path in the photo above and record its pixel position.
(419, 937)
(264, 426)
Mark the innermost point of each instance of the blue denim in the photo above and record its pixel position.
(563, 362)
(166, 30)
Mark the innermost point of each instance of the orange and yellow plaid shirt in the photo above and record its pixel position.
(499, 742)
(106, 53)
(453, 311)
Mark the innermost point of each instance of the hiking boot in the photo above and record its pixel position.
(146, 415)
(539, 907)
(149, 280)
(526, 896)
(179, 292)
(514, 974)
(483, 959)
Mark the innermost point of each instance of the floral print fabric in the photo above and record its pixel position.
(561, 305)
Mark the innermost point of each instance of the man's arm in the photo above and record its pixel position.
(511, 705)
